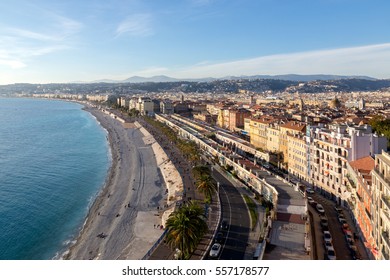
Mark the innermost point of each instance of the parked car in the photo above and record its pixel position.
(340, 216)
(327, 236)
(348, 236)
(224, 224)
(215, 250)
(324, 222)
(219, 237)
(345, 227)
(351, 245)
(327, 244)
(330, 253)
(310, 200)
(309, 190)
(320, 208)
(342, 221)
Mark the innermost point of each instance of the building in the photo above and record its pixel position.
(258, 131)
(360, 185)
(273, 137)
(236, 118)
(146, 105)
(330, 150)
(381, 204)
(297, 155)
(289, 128)
(166, 107)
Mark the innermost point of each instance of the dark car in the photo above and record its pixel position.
(224, 224)
(219, 237)
(324, 222)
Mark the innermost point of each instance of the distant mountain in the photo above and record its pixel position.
(287, 77)
(154, 79)
(300, 78)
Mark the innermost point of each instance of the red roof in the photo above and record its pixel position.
(363, 164)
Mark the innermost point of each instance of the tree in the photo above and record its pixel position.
(200, 170)
(205, 184)
(381, 125)
(185, 228)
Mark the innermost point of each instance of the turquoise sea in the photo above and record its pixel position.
(54, 159)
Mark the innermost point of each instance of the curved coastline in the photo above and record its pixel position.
(126, 217)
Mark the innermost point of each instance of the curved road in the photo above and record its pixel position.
(235, 212)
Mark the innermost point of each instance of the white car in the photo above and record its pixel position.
(320, 208)
(215, 250)
(310, 200)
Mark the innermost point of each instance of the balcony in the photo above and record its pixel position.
(385, 254)
(386, 216)
(351, 182)
(359, 197)
(381, 176)
(386, 200)
(386, 238)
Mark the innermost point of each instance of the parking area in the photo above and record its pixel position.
(334, 232)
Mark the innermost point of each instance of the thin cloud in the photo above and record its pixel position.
(19, 45)
(139, 25)
(14, 64)
(370, 60)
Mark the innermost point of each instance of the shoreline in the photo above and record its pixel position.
(122, 221)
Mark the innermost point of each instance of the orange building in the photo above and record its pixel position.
(360, 179)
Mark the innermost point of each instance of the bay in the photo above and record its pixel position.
(54, 159)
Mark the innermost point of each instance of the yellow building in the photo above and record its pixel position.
(297, 155)
(290, 128)
(273, 136)
(258, 131)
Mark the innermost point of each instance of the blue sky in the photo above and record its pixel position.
(43, 41)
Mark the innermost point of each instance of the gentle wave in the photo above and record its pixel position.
(54, 159)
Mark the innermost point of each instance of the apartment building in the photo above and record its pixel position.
(258, 131)
(297, 155)
(289, 128)
(133, 103)
(381, 204)
(146, 105)
(223, 117)
(273, 137)
(360, 185)
(236, 118)
(97, 98)
(166, 107)
(330, 150)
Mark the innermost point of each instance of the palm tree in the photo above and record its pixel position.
(200, 170)
(205, 184)
(185, 228)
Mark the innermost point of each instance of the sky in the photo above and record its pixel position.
(51, 41)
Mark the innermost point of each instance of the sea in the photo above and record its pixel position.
(54, 159)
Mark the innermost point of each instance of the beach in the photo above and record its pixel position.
(129, 214)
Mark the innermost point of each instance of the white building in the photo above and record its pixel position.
(331, 148)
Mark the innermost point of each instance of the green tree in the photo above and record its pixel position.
(200, 170)
(381, 125)
(185, 228)
(205, 184)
